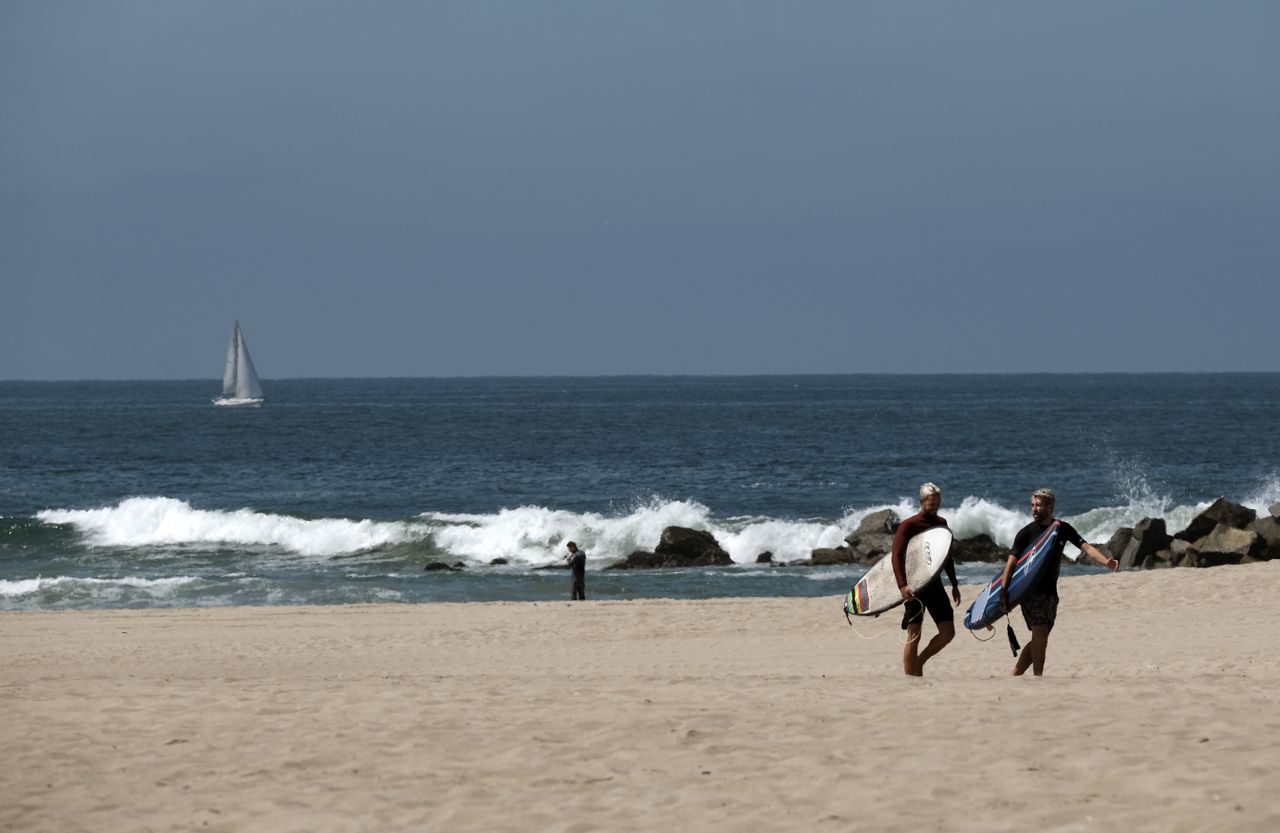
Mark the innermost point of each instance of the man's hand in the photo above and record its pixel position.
(907, 595)
(955, 594)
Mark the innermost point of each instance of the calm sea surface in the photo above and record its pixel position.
(142, 494)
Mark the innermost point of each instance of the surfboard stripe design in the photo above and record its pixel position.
(862, 601)
(1027, 559)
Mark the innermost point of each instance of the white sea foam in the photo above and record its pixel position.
(27, 587)
(536, 535)
(1142, 501)
(787, 540)
(1265, 495)
(978, 516)
(161, 521)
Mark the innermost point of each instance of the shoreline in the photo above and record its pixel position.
(715, 714)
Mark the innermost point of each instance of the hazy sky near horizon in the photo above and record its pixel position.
(477, 188)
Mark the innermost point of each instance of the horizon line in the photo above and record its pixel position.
(843, 374)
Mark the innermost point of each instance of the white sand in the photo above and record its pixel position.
(1158, 711)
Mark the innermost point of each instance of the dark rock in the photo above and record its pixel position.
(873, 537)
(1215, 559)
(1115, 546)
(832, 555)
(557, 565)
(1222, 511)
(764, 558)
(1158, 560)
(638, 560)
(883, 522)
(869, 547)
(1268, 530)
(497, 562)
(691, 548)
(1182, 554)
(441, 567)
(1227, 545)
(981, 547)
(678, 547)
(1149, 536)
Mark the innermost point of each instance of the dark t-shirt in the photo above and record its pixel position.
(578, 563)
(907, 530)
(1047, 584)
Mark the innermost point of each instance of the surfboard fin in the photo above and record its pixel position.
(1013, 639)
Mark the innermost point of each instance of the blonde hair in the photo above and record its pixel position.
(1045, 495)
(929, 489)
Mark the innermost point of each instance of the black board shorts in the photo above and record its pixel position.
(1040, 609)
(931, 597)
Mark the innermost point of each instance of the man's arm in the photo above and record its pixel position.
(1096, 554)
(950, 566)
(899, 560)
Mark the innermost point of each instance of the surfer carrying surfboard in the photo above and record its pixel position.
(932, 596)
(1040, 604)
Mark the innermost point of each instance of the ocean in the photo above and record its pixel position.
(338, 491)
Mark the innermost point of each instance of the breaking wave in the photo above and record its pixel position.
(161, 521)
(536, 535)
(66, 585)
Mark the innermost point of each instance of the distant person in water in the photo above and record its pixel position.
(932, 596)
(1040, 604)
(578, 565)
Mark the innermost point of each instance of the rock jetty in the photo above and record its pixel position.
(1224, 533)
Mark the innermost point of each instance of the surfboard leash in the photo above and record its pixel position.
(1014, 645)
(974, 634)
(860, 634)
(1013, 637)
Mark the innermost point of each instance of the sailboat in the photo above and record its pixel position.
(240, 385)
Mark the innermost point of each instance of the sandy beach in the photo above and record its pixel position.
(1157, 712)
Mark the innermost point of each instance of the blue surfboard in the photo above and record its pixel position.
(986, 608)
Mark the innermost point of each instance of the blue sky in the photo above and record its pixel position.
(476, 188)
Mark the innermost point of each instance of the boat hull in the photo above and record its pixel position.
(239, 403)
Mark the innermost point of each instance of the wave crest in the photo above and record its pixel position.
(533, 535)
(161, 521)
(31, 586)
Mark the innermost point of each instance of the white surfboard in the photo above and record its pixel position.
(877, 591)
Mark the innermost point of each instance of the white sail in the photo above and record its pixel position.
(229, 371)
(240, 385)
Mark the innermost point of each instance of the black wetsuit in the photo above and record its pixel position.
(933, 596)
(578, 564)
